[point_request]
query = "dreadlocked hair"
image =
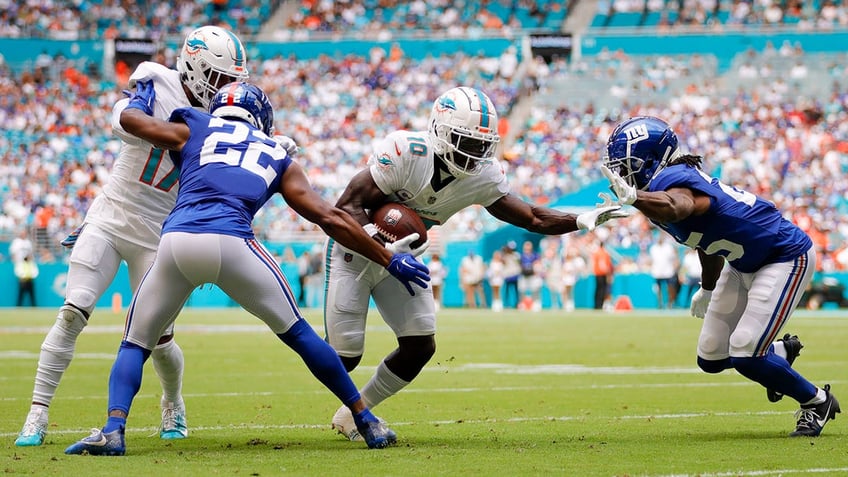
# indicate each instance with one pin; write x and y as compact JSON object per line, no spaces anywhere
{"x":688,"y":159}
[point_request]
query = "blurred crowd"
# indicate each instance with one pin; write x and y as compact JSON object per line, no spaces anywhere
{"x":721,"y":14}
{"x":380,"y":19}
{"x":95,"y":19}
{"x":383,"y":18}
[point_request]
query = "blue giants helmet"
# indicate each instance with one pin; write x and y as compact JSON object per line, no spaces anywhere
{"x":244,"y":101}
{"x":639,"y":148}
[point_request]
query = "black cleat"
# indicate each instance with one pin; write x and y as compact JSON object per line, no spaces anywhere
{"x":793,"y":349}
{"x":812,"y":418}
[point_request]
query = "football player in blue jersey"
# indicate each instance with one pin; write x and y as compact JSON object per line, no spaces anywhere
{"x":230,"y":165}
{"x":124,"y":222}
{"x":756,"y":264}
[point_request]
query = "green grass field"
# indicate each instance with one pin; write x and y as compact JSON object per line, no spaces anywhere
{"x":547,"y":393}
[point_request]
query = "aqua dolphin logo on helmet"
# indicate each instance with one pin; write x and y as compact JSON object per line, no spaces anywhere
{"x":193,"y":45}
{"x":444,"y":103}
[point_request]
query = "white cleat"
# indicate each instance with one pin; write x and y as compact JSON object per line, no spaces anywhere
{"x":343,"y":422}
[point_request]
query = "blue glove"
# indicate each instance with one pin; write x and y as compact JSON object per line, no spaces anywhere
{"x":405,"y":268}
{"x":143,"y":97}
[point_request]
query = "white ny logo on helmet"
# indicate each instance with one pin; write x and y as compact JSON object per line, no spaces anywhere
{"x":635,"y":134}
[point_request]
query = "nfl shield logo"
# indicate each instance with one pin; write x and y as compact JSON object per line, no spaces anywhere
{"x":348,"y":257}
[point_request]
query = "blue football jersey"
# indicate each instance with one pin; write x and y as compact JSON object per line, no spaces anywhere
{"x":228,"y":170}
{"x":746,"y":230}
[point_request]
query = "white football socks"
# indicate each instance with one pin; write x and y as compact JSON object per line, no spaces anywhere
{"x":168,"y":362}
{"x":383,"y":385}
{"x":57,"y":351}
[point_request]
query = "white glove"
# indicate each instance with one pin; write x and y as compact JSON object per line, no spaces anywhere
{"x":403,"y":245}
{"x":625,"y":192}
{"x":700,"y":302}
{"x":597,"y":216}
{"x":288,"y":144}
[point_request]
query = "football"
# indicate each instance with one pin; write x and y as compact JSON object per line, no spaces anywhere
{"x":395,"y":221}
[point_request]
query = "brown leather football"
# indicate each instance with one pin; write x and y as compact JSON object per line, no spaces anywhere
{"x":395,"y":221}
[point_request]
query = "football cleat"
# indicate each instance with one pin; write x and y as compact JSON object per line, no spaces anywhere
{"x":343,"y":422}
{"x":793,"y":349}
{"x":34,"y":430}
{"x":812,"y":418}
{"x":99,"y":443}
{"x":377,"y":435}
{"x":173,"y":422}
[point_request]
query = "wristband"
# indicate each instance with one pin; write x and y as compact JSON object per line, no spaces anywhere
{"x":370,"y":229}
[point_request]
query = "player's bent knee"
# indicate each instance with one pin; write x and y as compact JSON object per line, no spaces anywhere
{"x":711,"y":345}
{"x":165,"y":339}
{"x":743,"y":343}
{"x":417,"y":349}
{"x":714,"y":366}
{"x":71,"y":318}
{"x":350,"y":362}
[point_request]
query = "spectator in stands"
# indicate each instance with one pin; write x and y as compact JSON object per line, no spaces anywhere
{"x":20,"y":247}
{"x":603,"y":271}
{"x":755,"y":263}
{"x":304,"y":269}
{"x":438,"y":272}
{"x":530,"y":280}
{"x":472,"y":272}
{"x":495,"y":277}
{"x":691,"y":271}
{"x":512,"y":272}
{"x":664,"y":265}
{"x":550,"y":268}
{"x":573,"y":268}
{"x":26,"y":271}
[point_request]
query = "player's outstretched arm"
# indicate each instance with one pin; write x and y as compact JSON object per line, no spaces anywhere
{"x":543,"y":220}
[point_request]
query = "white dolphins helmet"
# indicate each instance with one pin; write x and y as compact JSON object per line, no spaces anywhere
{"x":210,"y":58}
{"x":464,"y":130}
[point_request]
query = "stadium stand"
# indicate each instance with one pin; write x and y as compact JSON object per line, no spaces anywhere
{"x":770,"y":117}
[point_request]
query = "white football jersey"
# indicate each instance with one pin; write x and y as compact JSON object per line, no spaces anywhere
{"x":404,"y":168}
{"x":142,"y":187}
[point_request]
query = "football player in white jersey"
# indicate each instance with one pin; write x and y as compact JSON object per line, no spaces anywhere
{"x":437,"y":173}
{"x":125,"y":221}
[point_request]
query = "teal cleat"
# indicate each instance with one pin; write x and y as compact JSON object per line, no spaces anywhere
{"x":173,"y":422}
{"x":34,"y":430}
